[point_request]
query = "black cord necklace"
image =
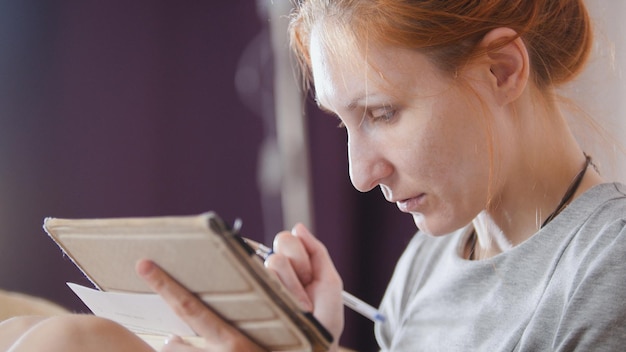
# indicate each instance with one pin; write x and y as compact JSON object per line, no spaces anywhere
{"x":570,"y":191}
{"x":567,"y":197}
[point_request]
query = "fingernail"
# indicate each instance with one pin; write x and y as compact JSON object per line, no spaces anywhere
{"x":300,"y":230}
{"x":172,"y":338}
{"x":296,"y":229}
{"x":145,"y":267}
{"x":168,"y":340}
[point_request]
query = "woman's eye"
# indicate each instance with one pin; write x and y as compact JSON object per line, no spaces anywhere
{"x":384,"y":114}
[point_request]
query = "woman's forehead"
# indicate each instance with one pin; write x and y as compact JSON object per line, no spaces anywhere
{"x":337,"y":44}
{"x":336,"y":72}
{"x":351,"y":72}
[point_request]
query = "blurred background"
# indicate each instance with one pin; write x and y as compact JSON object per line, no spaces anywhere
{"x":154,"y":107}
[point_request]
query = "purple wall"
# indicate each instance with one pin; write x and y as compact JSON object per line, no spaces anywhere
{"x":129,"y":108}
{"x":119,"y":109}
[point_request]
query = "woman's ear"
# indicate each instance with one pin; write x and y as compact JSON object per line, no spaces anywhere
{"x":508,"y":63}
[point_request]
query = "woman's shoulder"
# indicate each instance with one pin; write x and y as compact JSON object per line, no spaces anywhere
{"x":596,"y":236}
{"x":601,"y":206}
{"x":613,"y":193}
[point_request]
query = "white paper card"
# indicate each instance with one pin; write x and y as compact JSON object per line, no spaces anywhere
{"x":139,"y":312}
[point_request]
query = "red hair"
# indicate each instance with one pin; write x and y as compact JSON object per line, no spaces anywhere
{"x":557,"y":33}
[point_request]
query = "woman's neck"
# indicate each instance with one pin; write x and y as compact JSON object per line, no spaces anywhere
{"x":535,"y":173}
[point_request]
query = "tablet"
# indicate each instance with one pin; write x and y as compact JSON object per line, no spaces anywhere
{"x":203,"y":254}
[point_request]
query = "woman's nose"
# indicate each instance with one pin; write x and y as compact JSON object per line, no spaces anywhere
{"x":368,"y":167}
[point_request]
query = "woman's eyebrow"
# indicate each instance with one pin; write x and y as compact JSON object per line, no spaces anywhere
{"x":360,"y":100}
{"x":363,"y":100}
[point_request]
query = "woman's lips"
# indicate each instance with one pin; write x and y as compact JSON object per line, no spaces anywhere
{"x":411,"y":205}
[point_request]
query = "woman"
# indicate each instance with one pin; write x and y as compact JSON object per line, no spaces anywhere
{"x":450,"y":108}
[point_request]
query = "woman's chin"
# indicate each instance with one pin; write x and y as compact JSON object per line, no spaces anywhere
{"x":421,"y":224}
{"x":432,"y":229}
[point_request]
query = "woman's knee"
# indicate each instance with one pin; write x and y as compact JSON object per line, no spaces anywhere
{"x":80,"y":333}
{"x":13,"y":328}
{"x":21,"y":323}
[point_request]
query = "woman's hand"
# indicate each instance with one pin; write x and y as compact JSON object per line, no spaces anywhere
{"x":300,"y":261}
{"x":218,"y":334}
{"x":304,"y":266}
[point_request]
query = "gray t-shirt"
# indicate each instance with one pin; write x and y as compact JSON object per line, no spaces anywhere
{"x":563,"y":289}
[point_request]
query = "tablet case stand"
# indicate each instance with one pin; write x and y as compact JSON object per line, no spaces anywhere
{"x":203,"y":254}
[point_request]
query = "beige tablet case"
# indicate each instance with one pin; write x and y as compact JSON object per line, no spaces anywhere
{"x":203,"y":255}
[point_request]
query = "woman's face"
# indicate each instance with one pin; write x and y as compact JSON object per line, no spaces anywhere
{"x":411,"y":131}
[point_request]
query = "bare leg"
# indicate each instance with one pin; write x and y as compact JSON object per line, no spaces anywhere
{"x":78,"y":333}
{"x":13,"y":328}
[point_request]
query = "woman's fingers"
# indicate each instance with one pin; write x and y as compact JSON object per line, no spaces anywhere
{"x":192,"y":310}
{"x":291,"y":264}
{"x":280,"y":265}
{"x":305,"y":268}
{"x":317,"y":254}
{"x":300,"y":261}
{"x":187,"y":306}
{"x":286,"y":244}
{"x":326,"y":286}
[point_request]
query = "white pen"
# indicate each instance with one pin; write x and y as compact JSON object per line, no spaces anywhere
{"x":349,"y":300}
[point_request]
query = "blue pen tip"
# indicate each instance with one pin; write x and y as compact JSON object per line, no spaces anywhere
{"x":379,"y":317}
